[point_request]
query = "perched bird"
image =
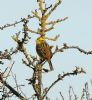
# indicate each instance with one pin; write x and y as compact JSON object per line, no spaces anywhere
{"x":44,"y":51}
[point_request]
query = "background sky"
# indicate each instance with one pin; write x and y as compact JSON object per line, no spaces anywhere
{"x":76,"y":30}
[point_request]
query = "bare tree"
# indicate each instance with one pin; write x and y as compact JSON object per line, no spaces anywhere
{"x":36,"y":65}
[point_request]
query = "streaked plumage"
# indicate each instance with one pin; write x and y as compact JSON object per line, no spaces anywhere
{"x":44,"y":51}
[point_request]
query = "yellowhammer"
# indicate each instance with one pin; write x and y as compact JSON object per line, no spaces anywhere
{"x":44,"y":50}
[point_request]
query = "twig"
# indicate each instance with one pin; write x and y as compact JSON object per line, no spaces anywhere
{"x":32,"y":31}
{"x":10,"y":69}
{"x":41,"y":5}
{"x":75,"y":72}
{"x":49,"y":29}
{"x":36,"y":15}
{"x":53,"y":39}
{"x":57,"y":21}
{"x":16,"y":22}
{"x":70,"y":96}
{"x":55,"y":6}
{"x":11,"y":88}
{"x":65,"y":46}
{"x":61,"y":96}
{"x":14,"y":91}
{"x":21,"y":43}
{"x":72,"y":90}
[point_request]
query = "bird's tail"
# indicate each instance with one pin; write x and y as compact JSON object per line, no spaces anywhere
{"x":51,"y":66}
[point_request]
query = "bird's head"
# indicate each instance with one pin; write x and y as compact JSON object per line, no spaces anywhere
{"x":40,"y":40}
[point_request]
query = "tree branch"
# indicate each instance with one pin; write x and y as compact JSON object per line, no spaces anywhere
{"x":55,"y":6}
{"x":40,"y":5}
{"x":57,"y":21}
{"x":36,"y":14}
{"x":65,"y":46}
{"x":10,"y":88}
{"x":16,"y":22}
{"x":74,"y":72}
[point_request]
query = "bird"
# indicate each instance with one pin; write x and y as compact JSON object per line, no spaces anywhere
{"x":44,"y":51}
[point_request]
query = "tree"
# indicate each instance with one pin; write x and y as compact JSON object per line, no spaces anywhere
{"x":33,"y":62}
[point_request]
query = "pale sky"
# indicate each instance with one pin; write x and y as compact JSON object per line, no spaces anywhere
{"x":76,"y":30}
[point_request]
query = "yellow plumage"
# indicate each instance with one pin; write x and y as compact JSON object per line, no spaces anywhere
{"x":44,"y":50}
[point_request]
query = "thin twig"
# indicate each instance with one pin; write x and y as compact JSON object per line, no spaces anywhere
{"x":16,"y":22}
{"x":52,"y":9}
{"x":65,"y":46}
{"x":75,"y":72}
{"x":57,"y":21}
{"x":61,"y":96}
